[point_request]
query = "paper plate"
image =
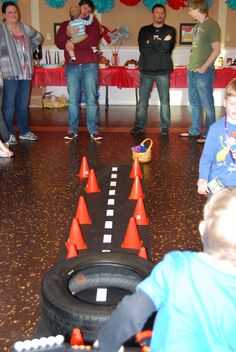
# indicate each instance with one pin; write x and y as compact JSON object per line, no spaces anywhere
{"x":51,"y":65}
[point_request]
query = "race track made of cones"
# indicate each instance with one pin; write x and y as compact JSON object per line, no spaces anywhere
{"x":110,"y":214}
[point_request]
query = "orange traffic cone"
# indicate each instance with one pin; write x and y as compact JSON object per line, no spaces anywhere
{"x":143,"y":253}
{"x":140,"y":213}
{"x":76,"y":236}
{"x":92,"y":185}
{"x":76,"y":338}
{"x":84,"y":169}
{"x":132,"y":239}
{"x":71,"y":250}
{"x":136,"y":191}
{"x":82,"y":214}
{"x":136,"y":169}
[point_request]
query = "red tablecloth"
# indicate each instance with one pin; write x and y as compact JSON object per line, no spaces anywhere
{"x":125,"y":78}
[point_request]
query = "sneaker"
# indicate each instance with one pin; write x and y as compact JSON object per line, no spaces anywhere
{"x":70,"y":135}
{"x":201,"y":140}
{"x":96,"y":136}
{"x":164,"y":132}
{"x":12,"y":140}
{"x":137,"y":130}
{"x":29,"y":136}
{"x":188,"y":134}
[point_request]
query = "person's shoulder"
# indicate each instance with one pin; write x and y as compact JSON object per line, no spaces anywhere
{"x":146,"y":27}
{"x":218,"y":123}
{"x":212,"y":23}
{"x":175,"y":258}
{"x":167,"y":26}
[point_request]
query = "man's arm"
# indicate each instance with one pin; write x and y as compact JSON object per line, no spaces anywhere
{"x":211,"y":59}
{"x":128,"y":319}
{"x":61,"y":36}
{"x":166,"y":44}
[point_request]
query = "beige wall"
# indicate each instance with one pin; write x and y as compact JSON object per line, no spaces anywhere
{"x":230,"y":28}
{"x":134,"y":17}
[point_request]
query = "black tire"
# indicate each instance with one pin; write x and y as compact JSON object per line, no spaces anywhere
{"x":68,"y":290}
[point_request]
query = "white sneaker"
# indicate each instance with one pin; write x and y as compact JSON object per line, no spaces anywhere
{"x":12,"y":140}
{"x":29,"y":136}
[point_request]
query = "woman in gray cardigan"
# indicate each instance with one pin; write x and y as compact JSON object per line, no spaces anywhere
{"x":17,"y":43}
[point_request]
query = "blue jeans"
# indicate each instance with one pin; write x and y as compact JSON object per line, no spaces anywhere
{"x":163,"y":88}
{"x":200,"y":94}
{"x":4,"y":133}
{"x":82,"y":77}
{"x":15,"y":100}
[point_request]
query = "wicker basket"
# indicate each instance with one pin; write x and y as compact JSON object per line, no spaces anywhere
{"x":146,"y":156}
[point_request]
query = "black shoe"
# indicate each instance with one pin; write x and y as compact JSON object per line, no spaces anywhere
{"x":70,"y":135}
{"x":137,"y":130}
{"x":164,"y":132}
{"x":188,"y":134}
{"x":96,"y":136}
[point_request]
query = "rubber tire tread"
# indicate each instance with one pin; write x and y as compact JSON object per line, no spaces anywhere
{"x":62,"y":312}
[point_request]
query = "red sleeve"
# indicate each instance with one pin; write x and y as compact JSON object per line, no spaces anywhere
{"x":61,"y":36}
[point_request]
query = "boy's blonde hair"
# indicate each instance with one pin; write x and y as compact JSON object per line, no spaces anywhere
{"x":74,"y":12}
{"x":219,"y":237}
{"x":230,"y":90}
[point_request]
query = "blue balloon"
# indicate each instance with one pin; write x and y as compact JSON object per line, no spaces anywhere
{"x":103,"y":6}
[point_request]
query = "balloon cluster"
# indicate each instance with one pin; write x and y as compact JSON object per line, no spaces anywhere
{"x":56,"y":3}
{"x":231,"y":4}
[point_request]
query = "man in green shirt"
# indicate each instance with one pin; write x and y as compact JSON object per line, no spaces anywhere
{"x":201,"y":71}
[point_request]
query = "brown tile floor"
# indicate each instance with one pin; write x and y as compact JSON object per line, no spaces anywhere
{"x":39,"y":190}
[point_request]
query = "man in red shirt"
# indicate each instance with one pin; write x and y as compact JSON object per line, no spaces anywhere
{"x":82,"y":72}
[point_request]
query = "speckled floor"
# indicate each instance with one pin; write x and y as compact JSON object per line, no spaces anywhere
{"x":39,"y":193}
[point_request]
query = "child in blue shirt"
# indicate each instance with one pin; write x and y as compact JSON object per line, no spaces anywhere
{"x":192,"y":293}
{"x":218,"y":159}
{"x":78,"y":23}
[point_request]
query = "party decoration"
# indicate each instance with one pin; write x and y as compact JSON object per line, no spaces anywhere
{"x":130,"y":2}
{"x":177,"y":4}
{"x":15,"y":1}
{"x":231,"y":4}
{"x":150,"y":3}
{"x":56,"y":4}
{"x":104,"y":6}
{"x":209,"y":3}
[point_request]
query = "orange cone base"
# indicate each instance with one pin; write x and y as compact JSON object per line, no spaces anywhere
{"x":140,"y":213}
{"x":84,"y":169}
{"x":71,"y":250}
{"x":76,"y":338}
{"x":132,"y":239}
{"x":92,"y":185}
{"x":76,"y":236}
{"x":136,"y":170}
{"x":143,"y":253}
{"x":82,"y":214}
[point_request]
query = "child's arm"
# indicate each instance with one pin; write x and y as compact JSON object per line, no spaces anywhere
{"x":90,"y":20}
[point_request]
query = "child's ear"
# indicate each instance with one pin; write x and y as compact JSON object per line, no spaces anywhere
{"x":201,"y":227}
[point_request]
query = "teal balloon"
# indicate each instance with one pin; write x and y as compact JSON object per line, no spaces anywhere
{"x":15,"y":1}
{"x":56,"y":4}
{"x":103,"y":6}
{"x":231,"y":4}
{"x":150,"y":3}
